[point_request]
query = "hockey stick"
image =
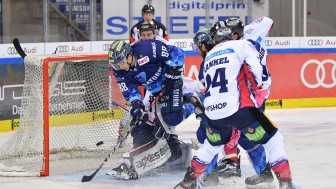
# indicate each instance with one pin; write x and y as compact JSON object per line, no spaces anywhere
{"x":118,"y":105}
{"x":18,"y":48}
{"x":87,"y":178}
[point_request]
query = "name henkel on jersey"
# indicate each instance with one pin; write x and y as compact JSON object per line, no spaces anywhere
{"x":216,"y":62}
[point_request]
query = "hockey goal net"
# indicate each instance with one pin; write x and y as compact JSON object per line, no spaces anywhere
{"x":72,"y":108}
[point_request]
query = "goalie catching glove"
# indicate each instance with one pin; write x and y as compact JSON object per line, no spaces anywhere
{"x":138,"y":113}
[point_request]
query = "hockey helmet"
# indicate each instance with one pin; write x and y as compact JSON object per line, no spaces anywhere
{"x":118,"y":53}
{"x":147,"y":26}
{"x":203,"y":36}
{"x":221,"y":34}
{"x":236,"y":26}
{"x":147,"y":9}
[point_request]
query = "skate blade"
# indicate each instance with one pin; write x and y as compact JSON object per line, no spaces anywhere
{"x":268,"y":185}
{"x":120,"y":176}
{"x":180,"y":186}
{"x":229,"y":181}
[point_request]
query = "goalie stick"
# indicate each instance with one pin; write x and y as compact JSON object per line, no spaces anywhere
{"x":18,"y":48}
{"x":90,"y":177}
{"x":87,"y":178}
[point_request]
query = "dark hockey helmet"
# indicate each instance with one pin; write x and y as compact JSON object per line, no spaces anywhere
{"x":236,"y":26}
{"x":147,"y":26}
{"x":203,"y":36}
{"x":216,"y":26}
{"x":221,"y":34}
{"x":147,"y":9}
{"x":118,"y":53}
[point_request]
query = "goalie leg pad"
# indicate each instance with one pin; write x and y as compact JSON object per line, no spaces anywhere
{"x":175,"y":147}
{"x":150,"y":155}
{"x":142,"y":134}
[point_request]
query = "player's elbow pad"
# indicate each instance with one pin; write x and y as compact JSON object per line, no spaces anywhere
{"x":177,"y":57}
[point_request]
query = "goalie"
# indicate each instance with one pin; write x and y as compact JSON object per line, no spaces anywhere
{"x":158,"y":68}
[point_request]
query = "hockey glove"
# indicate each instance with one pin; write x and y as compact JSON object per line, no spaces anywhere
{"x":138,"y":113}
{"x":260,"y":95}
{"x":173,"y":79}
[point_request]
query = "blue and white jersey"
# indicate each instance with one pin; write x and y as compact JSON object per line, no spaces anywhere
{"x":256,"y":33}
{"x":153,"y":59}
{"x":200,"y":75}
{"x":226,"y":70}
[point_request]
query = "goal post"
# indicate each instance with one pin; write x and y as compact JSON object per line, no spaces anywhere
{"x":72,"y":108}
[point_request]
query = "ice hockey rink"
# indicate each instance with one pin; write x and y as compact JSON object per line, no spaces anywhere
{"x":310,"y":141}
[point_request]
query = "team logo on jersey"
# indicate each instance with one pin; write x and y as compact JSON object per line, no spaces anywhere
{"x":249,"y":31}
{"x":143,"y":60}
{"x":250,"y":130}
{"x":210,"y":130}
{"x":259,"y":19}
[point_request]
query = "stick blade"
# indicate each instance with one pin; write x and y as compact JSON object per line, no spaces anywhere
{"x":87,"y":178}
{"x":18,"y":47}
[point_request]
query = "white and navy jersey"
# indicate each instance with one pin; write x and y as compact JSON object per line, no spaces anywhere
{"x":153,"y":59}
{"x":226,"y":70}
{"x":135,"y":33}
{"x":256,"y":33}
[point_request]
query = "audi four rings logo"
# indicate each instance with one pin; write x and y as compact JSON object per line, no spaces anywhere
{"x":181,"y":44}
{"x":62,"y":49}
{"x":315,"y":42}
{"x":268,"y":42}
{"x":11,"y":51}
{"x":320,"y":73}
{"x":106,"y":47}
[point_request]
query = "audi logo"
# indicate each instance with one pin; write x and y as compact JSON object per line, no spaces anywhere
{"x":268,"y":43}
{"x":11,"y":51}
{"x":320,"y":73}
{"x":62,"y":49}
{"x":106,"y":47}
{"x":181,"y":44}
{"x":315,"y":42}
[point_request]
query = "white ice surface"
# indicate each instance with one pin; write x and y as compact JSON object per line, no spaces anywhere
{"x":310,"y":142}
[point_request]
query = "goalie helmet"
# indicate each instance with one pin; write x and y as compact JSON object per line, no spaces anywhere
{"x":118,"y":53}
{"x":221,"y":34}
{"x":236,"y":26}
{"x":147,"y":9}
{"x":203,"y":36}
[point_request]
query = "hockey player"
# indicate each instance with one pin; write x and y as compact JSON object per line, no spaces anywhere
{"x":157,"y":67}
{"x":255,"y":33}
{"x":230,"y":102}
{"x":147,"y":13}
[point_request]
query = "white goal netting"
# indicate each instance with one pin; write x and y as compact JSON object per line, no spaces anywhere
{"x":72,"y":106}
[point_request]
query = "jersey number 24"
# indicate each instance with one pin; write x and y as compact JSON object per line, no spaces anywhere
{"x":219,"y":80}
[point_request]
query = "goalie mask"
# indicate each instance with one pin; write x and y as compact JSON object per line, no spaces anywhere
{"x":118,"y":53}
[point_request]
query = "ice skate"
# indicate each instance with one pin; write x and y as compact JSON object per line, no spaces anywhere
{"x":188,"y":182}
{"x":123,"y":172}
{"x":286,"y":184}
{"x":264,"y":180}
{"x":228,"y":168}
{"x":207,"y":180}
